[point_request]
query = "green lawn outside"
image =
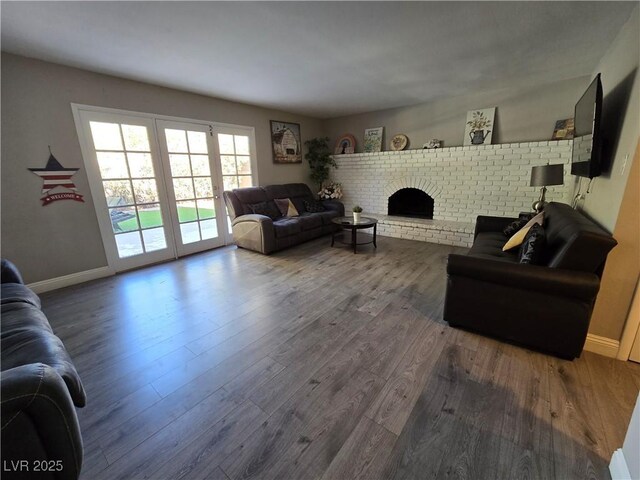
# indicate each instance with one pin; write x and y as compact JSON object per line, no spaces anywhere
{"x":151,"y":218}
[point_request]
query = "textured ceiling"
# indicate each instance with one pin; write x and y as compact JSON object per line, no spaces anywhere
{"x":323,"y":59}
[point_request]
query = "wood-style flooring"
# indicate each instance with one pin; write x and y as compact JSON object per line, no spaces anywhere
{"x":315,"y":363}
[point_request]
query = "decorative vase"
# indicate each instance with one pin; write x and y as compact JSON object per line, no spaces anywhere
{"x":356,"y":217}
{"x":478,"y":136}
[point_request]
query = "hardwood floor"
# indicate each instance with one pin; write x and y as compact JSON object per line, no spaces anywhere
{"x":315,"y":363}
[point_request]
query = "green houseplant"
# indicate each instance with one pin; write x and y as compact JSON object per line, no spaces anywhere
{"x":320,"y":160}
{"x":357,"y":211}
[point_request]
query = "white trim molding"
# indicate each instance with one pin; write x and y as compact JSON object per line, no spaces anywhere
{"x":618,"y":466}
{"x":602,"y":345}
{"x":71,"y":279}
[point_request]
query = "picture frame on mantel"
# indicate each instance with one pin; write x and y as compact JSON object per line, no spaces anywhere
{"x":479,"y":127}
{"x":373,"y":139}
{"x":286,"y":143}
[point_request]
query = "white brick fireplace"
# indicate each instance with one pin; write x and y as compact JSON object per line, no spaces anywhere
{"x":463,"y":181}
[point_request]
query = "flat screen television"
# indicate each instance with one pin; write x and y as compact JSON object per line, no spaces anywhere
{"x":587,"y":140}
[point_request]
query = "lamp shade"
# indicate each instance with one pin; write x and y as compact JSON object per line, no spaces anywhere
{"x":546,"y":175}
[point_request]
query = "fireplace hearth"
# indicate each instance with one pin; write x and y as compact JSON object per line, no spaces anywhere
{"x":410,"y":202}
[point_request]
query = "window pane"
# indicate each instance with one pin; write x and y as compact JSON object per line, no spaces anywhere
{"x":180,"y":165}
{"x":118,"y":192}
{"x":129,"y":244}
{"x":244,"y":165}
{"x":183,"y":188}
{"x":154,"y":239}
{"x":187,"y":211}
{"x":209,"y":229}
{"x":190,"y":232}
{"x":230,"y":183}
{"x":226,"y":144}
{"x":228,"y":164}
{"x":176,"y":140}
{"x":203,"y":187}
{"x":197,"y":142}
{"x":206,"y":209}
{"x":123,"y":219}
{"x":200,"y":165}
{"x":244,"y":181}
{"x":135,"y":138}
{"x":140,"y":165}
{"x":106,"y":136}
{"x":145,"y":191}
{"x":150,"y":215}
{"x":112,"y":165}
{"x":242,"y":145}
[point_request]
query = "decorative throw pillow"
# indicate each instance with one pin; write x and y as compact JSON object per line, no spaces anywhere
{"x":286,"y":207}
{"x":518,"y":237}
{"x":313,"y":206}
{"x":265,"y":208}
{"x":513,"y":227}
{"x":531,"y":250}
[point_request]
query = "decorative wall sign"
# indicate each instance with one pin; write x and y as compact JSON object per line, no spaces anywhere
{"x":479,"y":126}
{"x":345,"y":144}
{"x":285,"y":142}
{"x":55,"y":175}
{"x":373,"y":139}
{"x":399,"y":142}
{"x":564,"y":129}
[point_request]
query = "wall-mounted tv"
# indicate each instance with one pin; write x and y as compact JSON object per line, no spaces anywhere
{"x":587,"y":141}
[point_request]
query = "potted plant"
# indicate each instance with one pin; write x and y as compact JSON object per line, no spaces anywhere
{"x":357,"y":211}
{"x":320,"y":160}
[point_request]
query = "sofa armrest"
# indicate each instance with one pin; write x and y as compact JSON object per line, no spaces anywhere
{"x":553,"y":281}
{"x":9,"y":273}
{"x":254,"y":232}
{"x":38,"y":417}
{"x":334,"y":205}
{"x":491,"y":224}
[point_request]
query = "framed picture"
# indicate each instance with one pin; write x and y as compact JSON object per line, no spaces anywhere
{"x":285,"y":142}
{"x":563,"y":130}
{"x":373,"y":139}
{"x":479,"y":126}
{"x":345,"y":144}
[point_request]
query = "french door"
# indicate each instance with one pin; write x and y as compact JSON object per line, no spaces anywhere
{"x":157,"y":182}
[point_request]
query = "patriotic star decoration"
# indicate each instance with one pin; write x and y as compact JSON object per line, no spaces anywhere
{"x":55,"y":175}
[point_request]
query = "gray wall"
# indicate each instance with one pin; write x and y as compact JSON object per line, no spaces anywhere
{"x":522,"y":115}
{"x":63,"y":238}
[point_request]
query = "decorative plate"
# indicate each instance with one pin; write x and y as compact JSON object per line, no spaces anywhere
{"x":345,"y":144}
{"x":399,"y":142}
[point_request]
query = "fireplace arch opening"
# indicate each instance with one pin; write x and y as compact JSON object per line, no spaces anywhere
{"x":410,"y":202}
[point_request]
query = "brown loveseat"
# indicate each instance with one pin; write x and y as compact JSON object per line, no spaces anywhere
{"x":267,"y":234}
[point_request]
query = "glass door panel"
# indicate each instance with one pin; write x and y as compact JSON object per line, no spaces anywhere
{"x":193,"y":186}
{"x":124,"y":180}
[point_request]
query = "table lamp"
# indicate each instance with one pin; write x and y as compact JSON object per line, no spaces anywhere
{"x":544,"y":176}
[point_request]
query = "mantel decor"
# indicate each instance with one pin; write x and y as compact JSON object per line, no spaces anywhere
{"x":285,"y":142}
{"x":346,"y":144}
{"x":479,"y":126}
{"x":373,"y":139}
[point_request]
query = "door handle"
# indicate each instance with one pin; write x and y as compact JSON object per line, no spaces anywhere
{"x":216,"y":197}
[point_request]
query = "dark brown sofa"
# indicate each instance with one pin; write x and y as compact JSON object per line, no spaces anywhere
{"x":546,"y":307}
{"x":40,"y":386}
{"x":266,"y":235}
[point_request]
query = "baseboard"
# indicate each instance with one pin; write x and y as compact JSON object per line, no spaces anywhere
{"x":602,"y":345}
{"x":618,"y":466}
{"x":72,"y":279}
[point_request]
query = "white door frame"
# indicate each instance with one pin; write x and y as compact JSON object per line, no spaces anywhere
{"x":106,"y":230}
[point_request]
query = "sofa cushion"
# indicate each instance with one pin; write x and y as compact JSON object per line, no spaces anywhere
{"x":327,"y":215}
{"x":286,"y":207}
{"x":309,"y":221}
{"x":313,"y":206}
{"x":514,"y":226}
{"x":489,"y":245}
{"x":532,"y":248}
{"x":26,"y":338}
{"x":248,"y":196}
{"x":518,"y":237}
{"x":265,"y":208}
{"x":285,"y":227}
